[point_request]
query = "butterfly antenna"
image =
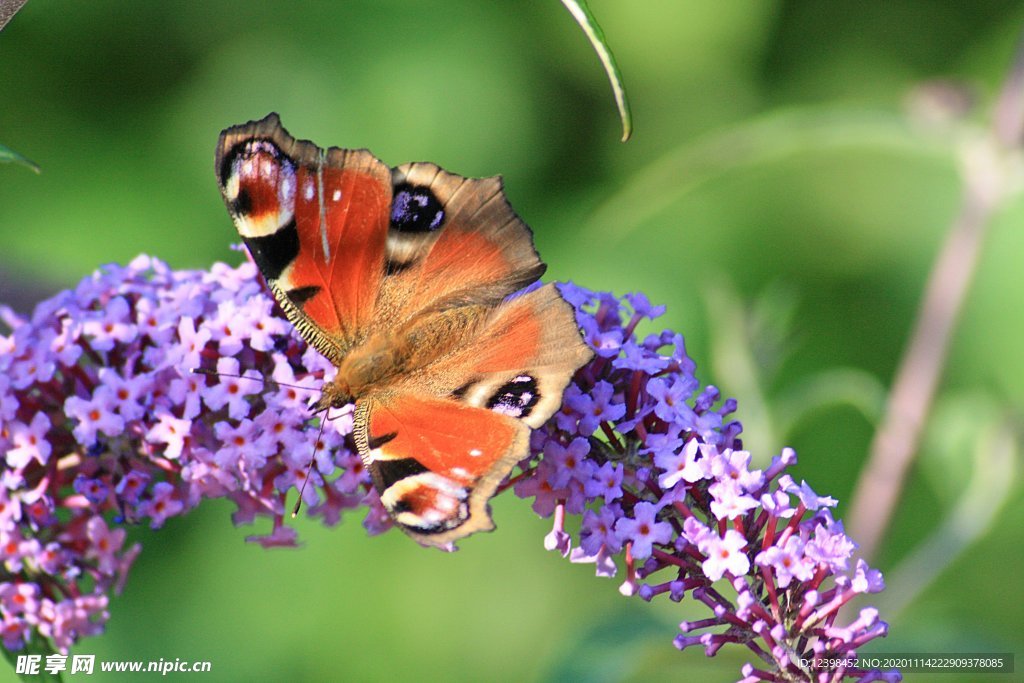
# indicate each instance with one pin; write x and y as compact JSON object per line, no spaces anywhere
{"x":309,"y":467}
{"x":201,"y":371}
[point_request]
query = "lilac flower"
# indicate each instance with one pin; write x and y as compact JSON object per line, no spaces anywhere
{"x":109,"y":325}
{"x":28,"y":442}
{"x":637,"y":357}
{"x":232,"y":391}
{"x":539,"y":485}
{"x":724,"y":554}
{"x":605,"y":343}
{"x":161,"y":505}
{"x":689,"y":507}
{"x":104,"y":544}
{"x":643,"y":531}
{"x":606,"y":483}
{"x":807,"y":496}
{"x":642,"y":306}
{"x":94,"y":490}
{"x":18,"y":599}
{"x":733,"y":466}
{"x":188,"y":352}
{"x":570,"y":462}
{"x":670,"y":397}
{"x":679,"y":462}
{"x":95,"y":416}
{"x":829,"y":545}
{"x":185,"y":392}
{"x":14,"y":632}
{"x":131,"y":486}
{"x":103,"y":423}
{"x":787,"y":561}
{"x":728,"y":501}
{"x":34,"y":366}
{"x":127,"y":394}
{"x":171,"y":431}
{"x":596,"y":407}
{"x":598,"y":532}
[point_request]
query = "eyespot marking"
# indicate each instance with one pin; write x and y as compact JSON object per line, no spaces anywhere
{"x":415,"y":209}
{"x":516,"y":398}
{"x":427,"y":503}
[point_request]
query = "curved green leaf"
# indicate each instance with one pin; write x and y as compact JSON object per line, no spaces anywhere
{"x":585,"y":18}
{"x":8,"y":156}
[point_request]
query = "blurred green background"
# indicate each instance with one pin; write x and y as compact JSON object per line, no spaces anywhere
{"x":784,"y":194}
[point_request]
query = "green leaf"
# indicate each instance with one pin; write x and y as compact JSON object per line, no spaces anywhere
{"x":839,"y":386}
{"x":8,"y":156}
{"x":35,"y":646}
{"x":585,"y":18}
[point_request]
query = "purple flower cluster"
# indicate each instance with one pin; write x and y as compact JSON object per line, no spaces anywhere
{"x":103,"y":423}
{"x":659,"y":477}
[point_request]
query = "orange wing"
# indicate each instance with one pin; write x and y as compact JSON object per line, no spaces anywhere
{"x":316,"y":224}
{"x":350,"y":247}
{"x":454,"y":241}
{"x":436,"y":463}
{"x":438,"y":444}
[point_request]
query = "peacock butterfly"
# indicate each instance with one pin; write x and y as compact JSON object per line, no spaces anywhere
{"x":404,"y":279}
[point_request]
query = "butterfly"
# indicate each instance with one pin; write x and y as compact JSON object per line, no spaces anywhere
{"x":414,"y":283}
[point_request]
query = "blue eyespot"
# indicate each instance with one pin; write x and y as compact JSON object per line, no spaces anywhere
{"x":415,"y":209}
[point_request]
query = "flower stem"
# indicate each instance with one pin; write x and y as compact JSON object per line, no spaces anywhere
{"x":986,"y":165}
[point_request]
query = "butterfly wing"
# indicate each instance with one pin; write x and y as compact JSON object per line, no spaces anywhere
{"x":436,"y":462}
{"x":350,"y":247}
{"x":366,"y":261}
{"x":316,"y":224}
{"x":454,"y":241}
{"x":438,"y":444}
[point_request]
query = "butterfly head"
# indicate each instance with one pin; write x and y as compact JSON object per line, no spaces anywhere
{"x":335,"y":394}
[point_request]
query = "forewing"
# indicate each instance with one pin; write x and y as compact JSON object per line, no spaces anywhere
{"x":452,"y":241}
{"x":316,"y":224}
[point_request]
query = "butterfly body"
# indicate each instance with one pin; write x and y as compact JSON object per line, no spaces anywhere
{"x":407,"y":280}
{"x":373,"y":365}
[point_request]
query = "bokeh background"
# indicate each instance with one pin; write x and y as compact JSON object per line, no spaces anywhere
{"x":791,"y":177}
